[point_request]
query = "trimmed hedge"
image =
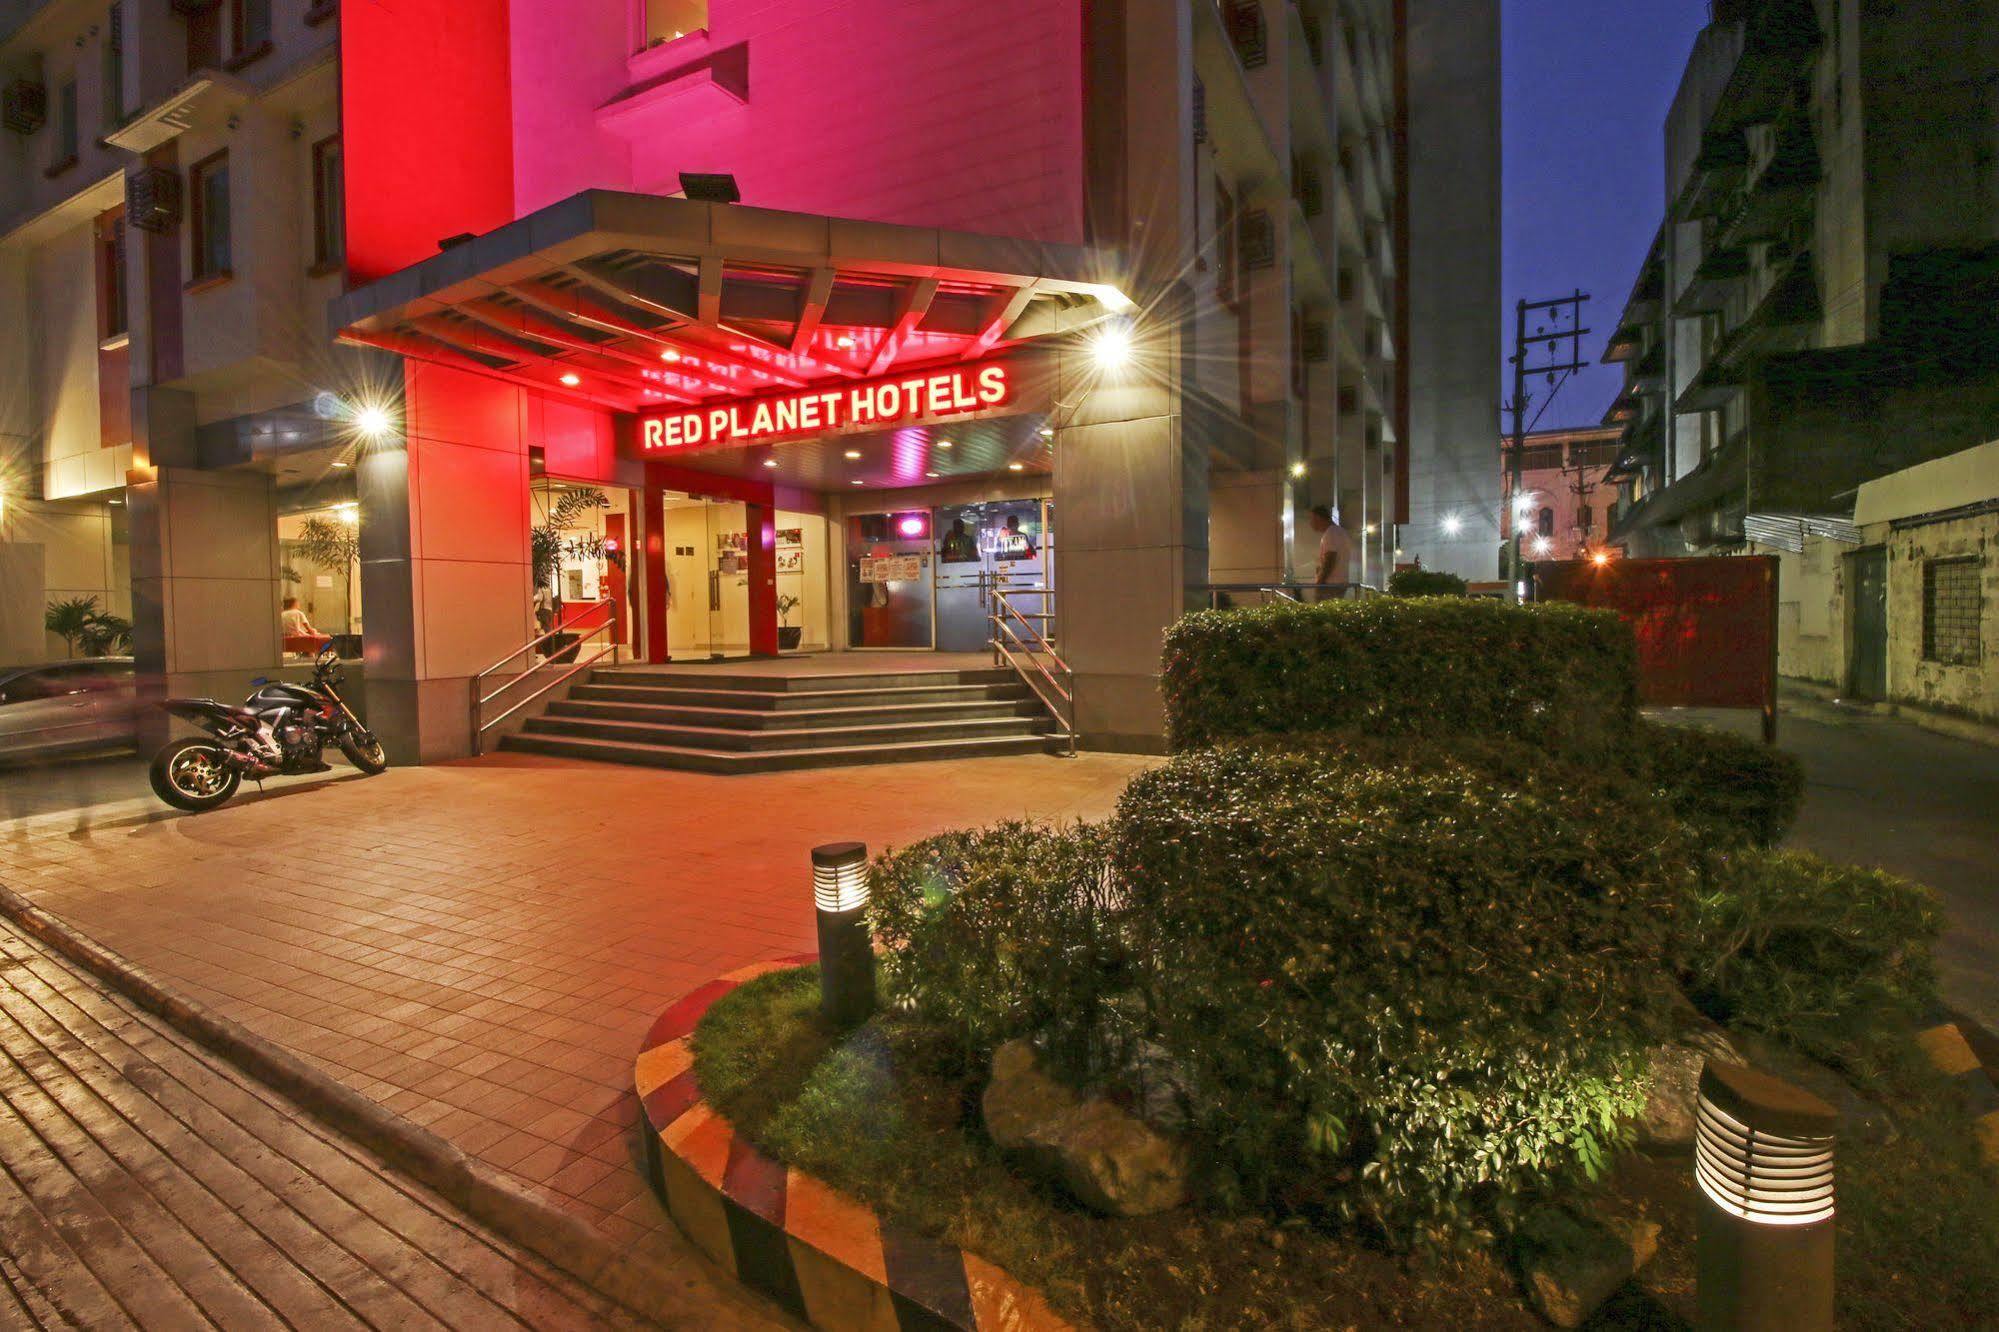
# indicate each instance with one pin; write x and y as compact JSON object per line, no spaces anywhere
{"x":1426,"y":583}
{"x":1560,"y":677}
{"x":1003,"y":932}
{"x":1816,"y":953}
{"x":1727,"y":790}
{"x":1389,"y":974}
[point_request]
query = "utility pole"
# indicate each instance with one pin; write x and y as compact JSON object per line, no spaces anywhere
{"x":1564,"y":316}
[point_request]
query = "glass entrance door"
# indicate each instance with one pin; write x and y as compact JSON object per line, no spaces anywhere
{"x":728,"y":550}
{"x":889,"y":580}
{"x":997,"y":544}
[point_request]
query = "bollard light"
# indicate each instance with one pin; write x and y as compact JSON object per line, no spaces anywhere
{"x":846,"y":953}
{"x":1763,"y":1157}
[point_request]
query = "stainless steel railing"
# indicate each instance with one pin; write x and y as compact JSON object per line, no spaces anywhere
{"x":1223,"y":595}
{"x":569,"y":654}
{"x":1019,"y":642}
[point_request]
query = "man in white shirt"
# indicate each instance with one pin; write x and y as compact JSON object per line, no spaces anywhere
{"x":293,"y":623}
{"x":1336,"y":550}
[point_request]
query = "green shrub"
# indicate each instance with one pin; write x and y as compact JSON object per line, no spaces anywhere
{"x":1387,"y":971}
{"x":1426,"y":583}
{"x":1003,"y":932}
{"x":1560,"y":677}
{"x":1728,"y":790}
{"x":1820,"y":955}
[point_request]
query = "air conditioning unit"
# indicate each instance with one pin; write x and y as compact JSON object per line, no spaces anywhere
{"x":152,"y":199}
{"x":1258,"y":239}
{"x":24,"y":106}
{"x":1248,"y":33}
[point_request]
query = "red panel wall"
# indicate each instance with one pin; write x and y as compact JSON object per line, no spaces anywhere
{"x":1706,"y":628}
{"x":426,"y":127}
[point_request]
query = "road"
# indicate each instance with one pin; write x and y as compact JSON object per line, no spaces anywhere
{"x":1890,"y":794}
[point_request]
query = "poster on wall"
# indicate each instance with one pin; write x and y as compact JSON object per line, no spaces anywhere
{"x":891,"y":568}
{"x":789,"y":538}
{"x":791,"y":560}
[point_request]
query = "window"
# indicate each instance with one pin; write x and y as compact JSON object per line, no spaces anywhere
{"x":249,"y":29}
{"x":65,"y":128}
{"x":664,"y":20}
{"x":208,"y":222}
{"x":1225,"y":246}
{"x":1952,"y":603}
{"x":113,"y":320}
{"x":1585,"y":518}
{"x":114,"y":66}
{"x":329,"y":206}
{"x":1545,"y":525}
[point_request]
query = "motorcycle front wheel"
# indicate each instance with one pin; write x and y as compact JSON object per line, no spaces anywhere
{"x":194,"y":775}
{"x":365,"y":752}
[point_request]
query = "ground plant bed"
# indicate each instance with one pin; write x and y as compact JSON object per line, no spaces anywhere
{"x":882,"y":1114}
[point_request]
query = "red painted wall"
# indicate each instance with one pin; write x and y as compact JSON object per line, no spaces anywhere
{"x":426,"y":129}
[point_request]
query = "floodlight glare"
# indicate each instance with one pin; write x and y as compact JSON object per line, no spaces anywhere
{"x":1112,"y":348}
{"x":372,"y":422}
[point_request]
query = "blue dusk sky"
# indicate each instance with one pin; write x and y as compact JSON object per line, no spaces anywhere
{"x":1588,"y":83}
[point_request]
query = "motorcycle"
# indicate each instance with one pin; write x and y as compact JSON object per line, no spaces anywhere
{"x":278,"y":731}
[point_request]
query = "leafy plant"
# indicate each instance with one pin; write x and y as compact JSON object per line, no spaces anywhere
{"x":1560,"y":677}
{"x":1729,"y":791}
{"x":1392,"y":980}
{"x":330,"y":545}
{"x":786,"y":604}
{"x":545,"y":538}
{"x":105,"y":634}
{"x":1821,"y":955}
{"x":1426,"y":583}
{"x":69,"y":619}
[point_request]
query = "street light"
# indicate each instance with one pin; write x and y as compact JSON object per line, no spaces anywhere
{"x":846,"y":953}
{"x":1763,"y":1156}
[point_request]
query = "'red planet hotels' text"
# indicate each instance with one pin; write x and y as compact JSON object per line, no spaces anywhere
{"x":957,"y":391}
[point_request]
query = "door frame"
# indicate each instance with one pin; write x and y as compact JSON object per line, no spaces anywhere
{"x":1851,"y":683}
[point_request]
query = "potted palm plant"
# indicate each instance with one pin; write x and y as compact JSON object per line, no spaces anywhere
{"x":789,"y":635}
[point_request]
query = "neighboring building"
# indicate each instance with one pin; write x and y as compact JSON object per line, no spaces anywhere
{"x":1898,"y":606}
{"x":1096,"y":295}
{"x":1563,"y":508}
{"x":170,"y":234}
{"x":1819,"y":306}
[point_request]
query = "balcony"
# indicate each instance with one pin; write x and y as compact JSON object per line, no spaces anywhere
{"x":1712,"y":387}
{"x":1718,"y":174}
{"x":1781,"y":186}
{"x":1708,"y":290}
{"x":1779,"y":37}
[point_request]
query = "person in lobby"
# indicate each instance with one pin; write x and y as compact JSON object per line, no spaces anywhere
{"x":295,"y":627}
{"x":1335,"y":552}
{"x":959,"y":547}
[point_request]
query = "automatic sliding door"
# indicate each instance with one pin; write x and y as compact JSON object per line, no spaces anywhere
{"x":889,"y":580}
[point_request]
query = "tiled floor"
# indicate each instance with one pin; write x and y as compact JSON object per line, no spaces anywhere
{"x":481,"y":946}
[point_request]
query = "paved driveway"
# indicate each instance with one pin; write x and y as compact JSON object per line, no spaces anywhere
{"x":481,"y":946}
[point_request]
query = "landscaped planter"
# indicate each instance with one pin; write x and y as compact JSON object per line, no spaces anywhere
{"x":817,"y":1252}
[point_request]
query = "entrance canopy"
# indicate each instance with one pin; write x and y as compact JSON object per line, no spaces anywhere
{"x":641,"y":304}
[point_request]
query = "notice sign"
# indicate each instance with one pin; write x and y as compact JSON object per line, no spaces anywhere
{"x":891,"y":568}
{"x":937,"y":394}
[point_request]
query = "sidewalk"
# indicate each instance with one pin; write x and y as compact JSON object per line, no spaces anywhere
{"x":482,"y":946}
{"x":145,"y":1185}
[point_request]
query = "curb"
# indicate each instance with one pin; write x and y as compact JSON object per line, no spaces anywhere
{"x":489,"y":1196}
{"x":1951,"y":1055}
{"x":822,"y":1255}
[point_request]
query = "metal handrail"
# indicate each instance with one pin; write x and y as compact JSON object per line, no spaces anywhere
{"x":1292,"y":592}
{"x":577,"y":665}
{"x":1009,"y":645}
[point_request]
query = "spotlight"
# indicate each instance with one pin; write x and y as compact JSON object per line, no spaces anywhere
{"x":572,"y":380}
{"x":373,"y":422}
{"x":1600,"y":559}
{"x":1111,"y":348}
{"x":1453,"y":525}
{"x":1298,"y":471}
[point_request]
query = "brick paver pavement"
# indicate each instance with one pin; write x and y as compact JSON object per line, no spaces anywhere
{"x":481,"y":946}
{"x":146,"y":1185}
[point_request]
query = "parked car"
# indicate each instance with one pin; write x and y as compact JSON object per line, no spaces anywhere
{"x":63,"y":706}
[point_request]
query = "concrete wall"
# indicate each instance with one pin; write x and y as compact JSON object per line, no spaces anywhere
{"x":1970,"y":689}
{"x":1454,"y":353}
{"x":1811,"y":612}
{"x":1246,"y":528}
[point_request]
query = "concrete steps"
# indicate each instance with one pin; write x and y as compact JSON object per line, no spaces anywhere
{"x":741,"y":723}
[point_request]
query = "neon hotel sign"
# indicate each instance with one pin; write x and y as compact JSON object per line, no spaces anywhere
{"x":868,"y":404}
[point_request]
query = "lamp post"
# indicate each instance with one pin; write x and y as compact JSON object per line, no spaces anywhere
{"x":846,"y":954}
{"x":1763,"y":1157}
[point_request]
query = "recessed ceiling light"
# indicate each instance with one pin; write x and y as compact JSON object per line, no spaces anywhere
{"x":1016,"y":467}
{"x":770,"y":462}
{"x":338,"y":463}
{"x":1048,"y":432}
{"x":857,"y":483}
{"x":844,"y":341}
{"x":945,"y":444}
{"x":669,"y":355}
{"x":853,"y":455}
{"x":931,"y":475}
{"x":572,"y":380}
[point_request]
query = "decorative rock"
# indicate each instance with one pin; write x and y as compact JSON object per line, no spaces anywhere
{"x":1667,"y":1121}
{"x":1571,"y":1264}
{"x":1111,"y":1161}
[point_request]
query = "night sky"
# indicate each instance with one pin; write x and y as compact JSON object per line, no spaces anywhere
{"x":1587,"y":88}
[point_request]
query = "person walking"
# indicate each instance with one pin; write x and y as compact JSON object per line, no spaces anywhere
{"x":1336,"y":552}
